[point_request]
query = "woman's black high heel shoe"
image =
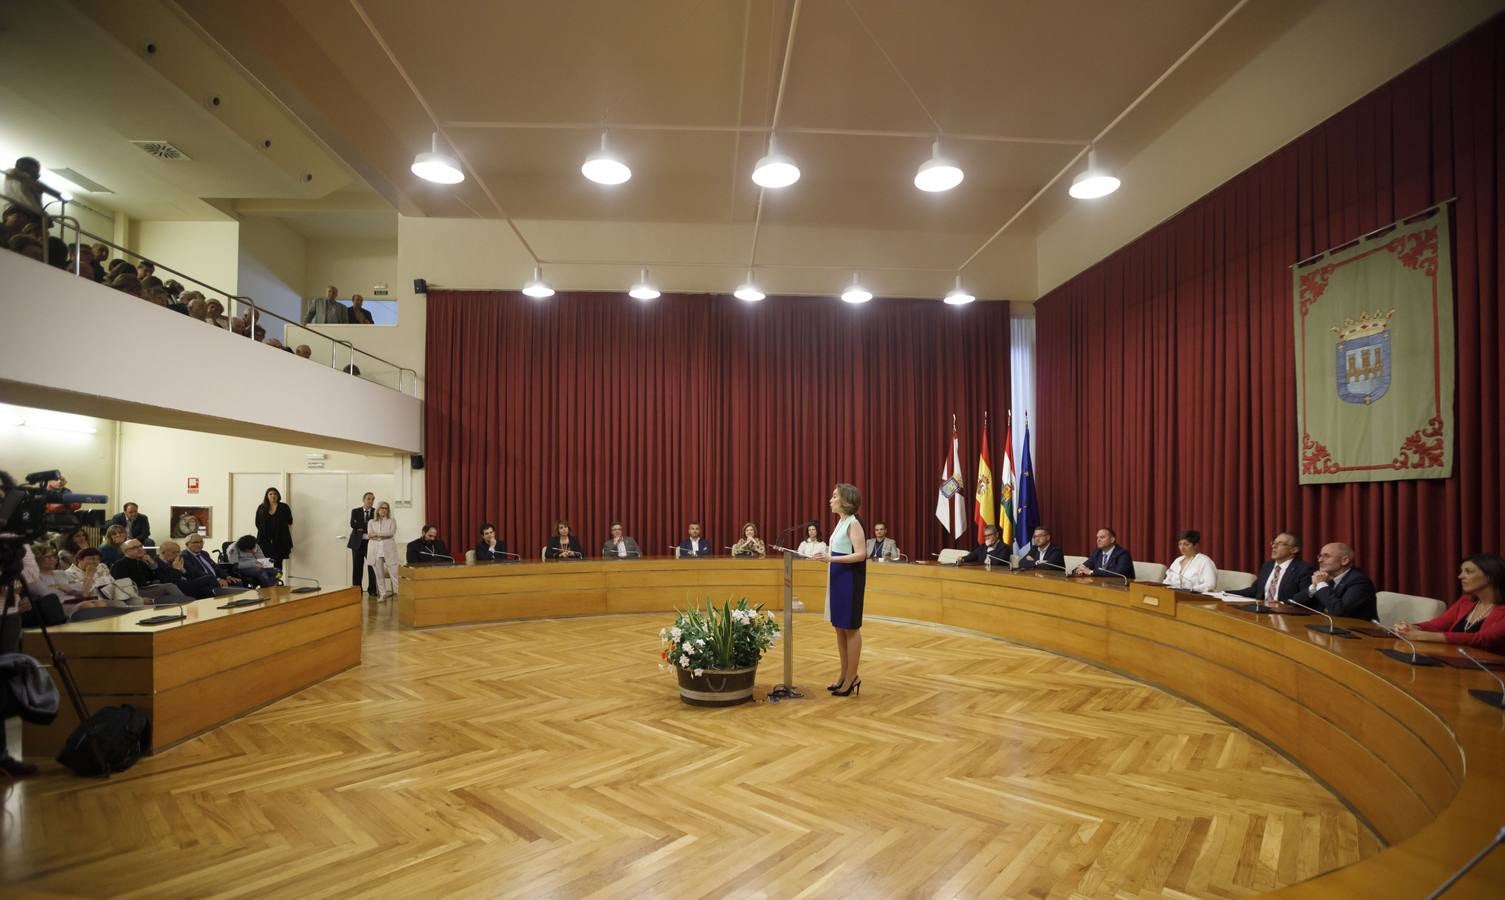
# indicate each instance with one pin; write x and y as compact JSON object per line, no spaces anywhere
{"x":833,"y":687}
{"x":856,"y":686}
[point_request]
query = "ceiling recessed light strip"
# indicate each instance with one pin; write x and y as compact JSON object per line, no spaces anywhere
{"x":440,"y":168}
{"x":644,"y":289}
{"x":605,"y":167}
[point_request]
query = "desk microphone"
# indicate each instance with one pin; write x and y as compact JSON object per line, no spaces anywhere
{"x":305,"y":589}
{"x":1493,"y":698}
{"x":1330,"y":628}
{"x":1477,"y":858}
{"x":1097,"y":572}
{"x":1414,"y":659}
{"x":1043,"y":563}
{"x":436,"y":555}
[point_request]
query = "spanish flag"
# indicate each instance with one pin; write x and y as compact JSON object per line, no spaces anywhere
{"x":983,"y":506}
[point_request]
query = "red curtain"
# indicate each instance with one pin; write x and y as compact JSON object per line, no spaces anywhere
{"x":1166,"y":373}
{"x":596,"y":407}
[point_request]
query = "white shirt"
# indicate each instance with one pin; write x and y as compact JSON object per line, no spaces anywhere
{"x":622,"y":549}
{"x":1198,"y":575}
{"x":1312,"y":589}
{"x":810,"y":548}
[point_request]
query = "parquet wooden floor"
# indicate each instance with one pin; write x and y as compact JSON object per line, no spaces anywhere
{"x":552,"y":759}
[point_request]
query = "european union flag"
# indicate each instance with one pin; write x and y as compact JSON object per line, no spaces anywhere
{"x":1026,"y":501}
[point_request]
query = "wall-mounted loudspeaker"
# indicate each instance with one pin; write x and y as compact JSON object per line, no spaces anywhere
{"x":417,"y":460}
{"x":420,"y":286}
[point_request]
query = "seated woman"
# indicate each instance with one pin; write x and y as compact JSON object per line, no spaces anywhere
{"x":812,"y":544}
{"x":245,"y":557}
{"x":1474,"y":620}
{"x":91,"y":579}
{"x":1192,"y":570}
{"x":71,"y":543}
{"x":563,"y":545}
{"x":751,"y":546}
{"x":110,"y":546}
{"x":70,"y":593}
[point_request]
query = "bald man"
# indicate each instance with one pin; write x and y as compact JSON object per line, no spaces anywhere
{"x":1340,"y":588}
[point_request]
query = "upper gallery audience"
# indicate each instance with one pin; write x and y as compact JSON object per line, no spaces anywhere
{"x":1284,"y":576}
{"x":1042,"y":554}
{"x":1340,"y":588}
{"x":1475,"y":619}
{"x":357,"y":312}
{"x":1192,"y":570}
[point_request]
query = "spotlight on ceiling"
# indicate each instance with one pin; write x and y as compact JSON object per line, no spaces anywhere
{"x":644,"y":289}
{"x":938,"y":173}
{"x":958,"y":296}
{"x":1094,"y":182}
{"x":605,"y":167}
{"x":775,"y":170}
{"x":855,"y":292}
{"x":440,"y":168}
{"x":537,"y":287}
{"x":748,"y":290}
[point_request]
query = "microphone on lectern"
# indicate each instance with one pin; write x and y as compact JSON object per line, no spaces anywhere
{"x":1415,"y":660}
{"x":1330,"y":628}
{"x":1493,"y":698}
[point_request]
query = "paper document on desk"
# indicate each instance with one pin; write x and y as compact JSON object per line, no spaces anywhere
{"x":1233,"y":598}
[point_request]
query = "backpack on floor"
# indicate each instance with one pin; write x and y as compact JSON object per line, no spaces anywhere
{"x":123,"y":734}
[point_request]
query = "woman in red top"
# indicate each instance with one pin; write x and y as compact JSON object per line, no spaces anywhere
{"x":1476,"y":619}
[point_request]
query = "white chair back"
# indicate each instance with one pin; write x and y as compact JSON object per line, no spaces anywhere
{"x":1073,"y":561}
{"x":543,"y":555}
{"x":950,"y":557}
{"x":1149,"y":571}
{"x":1395,"y":607}
{"x":1234,"y":580}
{"x":470,"y":556}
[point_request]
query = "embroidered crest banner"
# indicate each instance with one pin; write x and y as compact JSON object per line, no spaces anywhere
{"x":1374,"y":357}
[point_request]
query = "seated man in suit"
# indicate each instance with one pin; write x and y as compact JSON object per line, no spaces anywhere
{"x":198,"y":563}
{"x":1108,"y":557}
{"x":490,"y":548}
{"x":880,"y":546}
{"x":620,"y":545}
{"x":136,"y":525}
{"x":1042,"y":553}
{"x":147,"y":574}
{"x":427,"y":548}
{"x":174,"y":569}
{"x":1284,"y":576}
{"x":1340,"y":588}
{"x":990,"y":551}
{"x":694,"y":545}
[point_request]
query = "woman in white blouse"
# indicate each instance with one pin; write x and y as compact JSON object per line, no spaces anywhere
{"x":1192,"y":570}
{"x":812,"y":543}
{"x":381,"y":550}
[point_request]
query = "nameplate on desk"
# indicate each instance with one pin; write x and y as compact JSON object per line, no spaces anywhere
{"x":1150,"y":600}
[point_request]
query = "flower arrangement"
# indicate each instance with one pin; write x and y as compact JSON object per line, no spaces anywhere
{"x":731,"y":637}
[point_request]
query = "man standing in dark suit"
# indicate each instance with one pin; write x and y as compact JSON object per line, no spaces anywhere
{"x":1108,"y":557}
{"x":1284,"y":576}
{"x":1042,"y":553}
{"x":1340,"y":588}
{"x":359,"y":518}
{"x":136,"y":525}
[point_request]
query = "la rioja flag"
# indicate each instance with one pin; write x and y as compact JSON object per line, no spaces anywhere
{"x":1006,"y":488}
{"x":950,"y":506}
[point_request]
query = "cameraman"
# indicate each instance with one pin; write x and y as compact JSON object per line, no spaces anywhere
{"x":16,"y":601}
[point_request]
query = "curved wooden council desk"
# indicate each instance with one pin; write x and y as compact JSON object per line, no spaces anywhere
{"x":1408,"y":748}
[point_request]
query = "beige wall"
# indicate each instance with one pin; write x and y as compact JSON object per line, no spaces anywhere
{"x":87,"y":460}
{"x":353,"y":266}
{"x":206,"y":251}
{"x":271,"y":263}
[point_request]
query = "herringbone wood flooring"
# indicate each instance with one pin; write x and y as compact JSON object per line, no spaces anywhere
{"x":552,"y":759}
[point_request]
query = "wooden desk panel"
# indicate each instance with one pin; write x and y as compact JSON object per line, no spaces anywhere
{"x":190,"y":676}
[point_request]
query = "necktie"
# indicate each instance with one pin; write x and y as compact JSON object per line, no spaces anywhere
{"x":1106,"y":553}
{"x":877,"y":548}
{"x":1272,"y":590}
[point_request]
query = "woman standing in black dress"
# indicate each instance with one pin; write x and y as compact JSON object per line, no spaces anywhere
{"x":274,"y":527}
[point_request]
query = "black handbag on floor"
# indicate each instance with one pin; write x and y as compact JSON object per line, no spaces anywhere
{"x":123,"y":734}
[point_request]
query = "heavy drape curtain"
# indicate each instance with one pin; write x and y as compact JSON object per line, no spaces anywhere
{"x":596,"y":407}
{"x":1166,"y":375}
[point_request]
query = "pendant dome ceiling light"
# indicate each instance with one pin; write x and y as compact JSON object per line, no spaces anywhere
{"x":856,"y":293}
{"x":605,"y":167}
{"x":938,"y":173}
{"x":440,"y":168}
{"x":959,"y":296}
{"x":644,"y":289}
{"x":537,"y":288}
{"x":1094,"y":182}
{"x":775,"y":170}
{"x":748,"y":290}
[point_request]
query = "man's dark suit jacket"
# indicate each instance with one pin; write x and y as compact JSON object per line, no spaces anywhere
{"x":422,"y":551}
{"x":1053,"y":556}
{"x":485,"y":553}
{"x":358,"y":522}
{"x":1295,"y":581}
{"x":702,"y":547}
{"x":1353,"y":598}
{"x":141,"y":529}
{"x":980,"y":553}
{"x":1121,"y":561}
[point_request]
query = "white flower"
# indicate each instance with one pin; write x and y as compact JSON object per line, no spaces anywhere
{"x":699,"y":672}
{"x":684,"y":662}
{"x":675,"y":632}
{"x":688,"y":647}
{"x":700,"y":642}
{"x":663,"y":633}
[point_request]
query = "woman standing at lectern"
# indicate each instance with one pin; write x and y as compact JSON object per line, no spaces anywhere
{"x":844,"y":587}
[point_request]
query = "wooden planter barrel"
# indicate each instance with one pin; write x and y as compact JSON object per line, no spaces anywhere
{"x":717,"y":687}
